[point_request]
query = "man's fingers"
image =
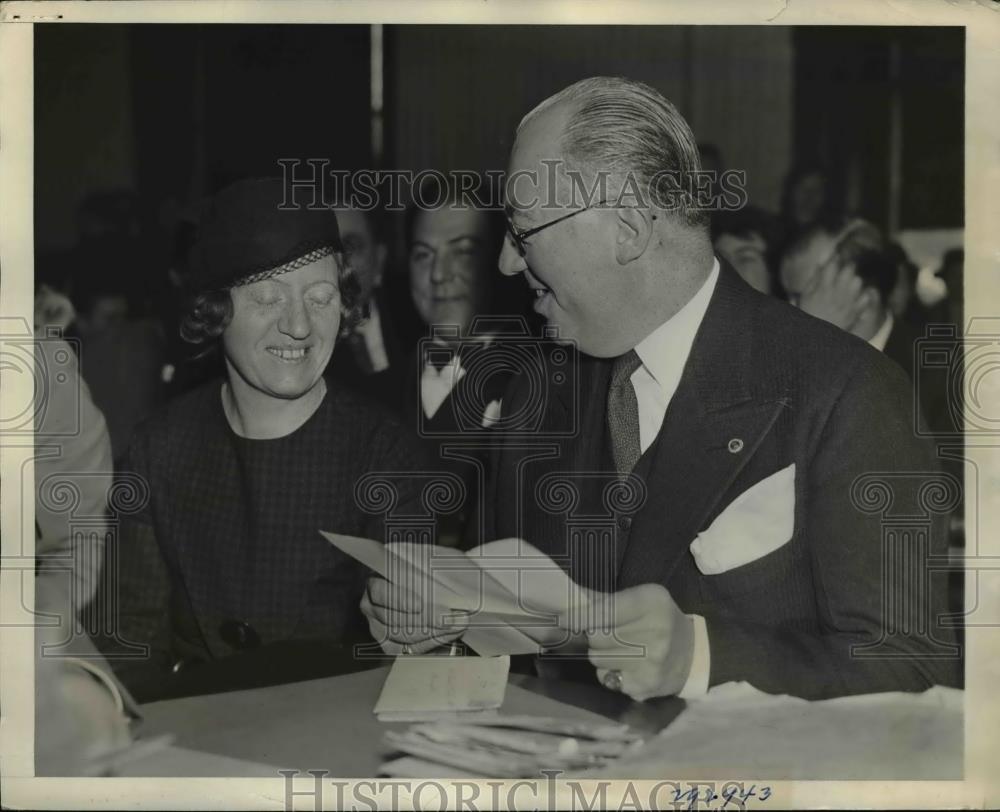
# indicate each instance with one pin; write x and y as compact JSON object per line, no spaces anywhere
{"x":366,"y":604}
{"x":396,"y":643}
{"x":633,"y":684}
{"x":645,"y":603}
{"x":394,"y":635}
{"x":382,"y":593}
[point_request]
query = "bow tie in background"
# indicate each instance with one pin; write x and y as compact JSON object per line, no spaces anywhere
{"x":442,"y":371}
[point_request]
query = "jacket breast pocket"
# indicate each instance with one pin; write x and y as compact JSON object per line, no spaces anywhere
{"x":786,"y":564}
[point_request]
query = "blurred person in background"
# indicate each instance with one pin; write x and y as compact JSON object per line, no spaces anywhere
{"x":810,"y":198}
{"x":245,"y":470}
{"x":848,"y":278}
{"x":903,"y":301}
{"x":951,"y":309}
{"x":948,"y":416}
{"x":818,"y":275}
{"x":185,"y":366}
{"x":369,"y":358}
{"x":81,"y":715}
{"x":741,"y":238}
{"x":122,"y":342}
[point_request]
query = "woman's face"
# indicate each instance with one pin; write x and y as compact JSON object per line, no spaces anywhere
{"x":284,"y":328}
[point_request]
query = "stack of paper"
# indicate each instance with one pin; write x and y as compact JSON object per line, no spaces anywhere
{"x":740,"y":732}
{"x":509,"y":588}
{"x":506,"y":747}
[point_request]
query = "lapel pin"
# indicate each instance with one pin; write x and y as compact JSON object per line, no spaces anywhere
{"x":735,"y":445}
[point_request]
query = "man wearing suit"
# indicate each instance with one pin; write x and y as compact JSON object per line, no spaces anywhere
{"x":746,"y":422}
{"x":369,"y":358}
{"x":456,"y":378}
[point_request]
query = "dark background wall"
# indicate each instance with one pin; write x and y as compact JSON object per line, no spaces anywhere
{"x":169,"y":112}
{"x":458,"y":92}
{"x":886,"y":107}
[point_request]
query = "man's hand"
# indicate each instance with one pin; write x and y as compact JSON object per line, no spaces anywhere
{"x":646,"y":638}
{"x":401,"y":621}
{"x":559,"y":636}
{"x":836,"y":295}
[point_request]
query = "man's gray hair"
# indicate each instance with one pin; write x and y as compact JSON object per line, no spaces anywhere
{"x":621,"y":126}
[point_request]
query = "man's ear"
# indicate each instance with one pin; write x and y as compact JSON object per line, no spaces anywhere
{"x":381,"y":255}
{"x":635,"y":227}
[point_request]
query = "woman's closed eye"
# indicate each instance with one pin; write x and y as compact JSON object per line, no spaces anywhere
{"x":264,"y":293}
{"x":322,"y":295}
{"x":322,"y":299}
{"x":266,"y":299}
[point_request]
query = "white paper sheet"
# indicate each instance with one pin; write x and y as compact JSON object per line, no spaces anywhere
{"x":507,"y":586}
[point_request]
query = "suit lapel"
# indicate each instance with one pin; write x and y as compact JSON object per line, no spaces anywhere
{"x":714,"y":424}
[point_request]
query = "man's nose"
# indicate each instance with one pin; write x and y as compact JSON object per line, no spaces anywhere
{"x":294,"y":321}
{"x":510,"y":262}
{"x":440,"y":269}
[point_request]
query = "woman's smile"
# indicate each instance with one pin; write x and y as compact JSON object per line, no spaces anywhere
{"x":290,"y":355}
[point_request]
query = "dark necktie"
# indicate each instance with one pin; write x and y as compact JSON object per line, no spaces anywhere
{"x":623,"y":413}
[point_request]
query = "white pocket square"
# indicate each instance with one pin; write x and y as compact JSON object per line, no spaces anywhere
{"x":757,"y":522}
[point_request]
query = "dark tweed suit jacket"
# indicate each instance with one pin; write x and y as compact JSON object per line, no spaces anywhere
{"x":765,"y":386}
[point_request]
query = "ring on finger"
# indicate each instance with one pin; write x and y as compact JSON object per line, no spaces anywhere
{"x":613,"y":680}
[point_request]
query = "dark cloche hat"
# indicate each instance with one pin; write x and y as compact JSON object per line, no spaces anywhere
{"x":245,"y":235}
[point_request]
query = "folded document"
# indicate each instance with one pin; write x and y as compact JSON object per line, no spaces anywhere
{"x":505,"y":586}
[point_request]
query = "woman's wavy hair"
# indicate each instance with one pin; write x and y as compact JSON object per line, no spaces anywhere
{"x":209,"y":312}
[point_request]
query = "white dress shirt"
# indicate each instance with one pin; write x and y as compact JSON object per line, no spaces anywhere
{"x":436,"y":384}
{"x":663,"y":353}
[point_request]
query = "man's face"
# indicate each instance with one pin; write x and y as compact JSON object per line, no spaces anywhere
{"x":284,"y":328}
{"x":746,"y":253}
{"x":808,"y":198}
{"x":570,"y":266}
{"x":799,"y":267}
{"x":365,"y":255}
{"x":449,"y":265}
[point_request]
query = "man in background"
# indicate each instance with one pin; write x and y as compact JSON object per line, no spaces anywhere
{"x":847,"y":277}
{"x":458,"y":373}
{"x":369,"y":360}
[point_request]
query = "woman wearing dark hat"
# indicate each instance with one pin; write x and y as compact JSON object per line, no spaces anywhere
{"x":243,"y":472}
